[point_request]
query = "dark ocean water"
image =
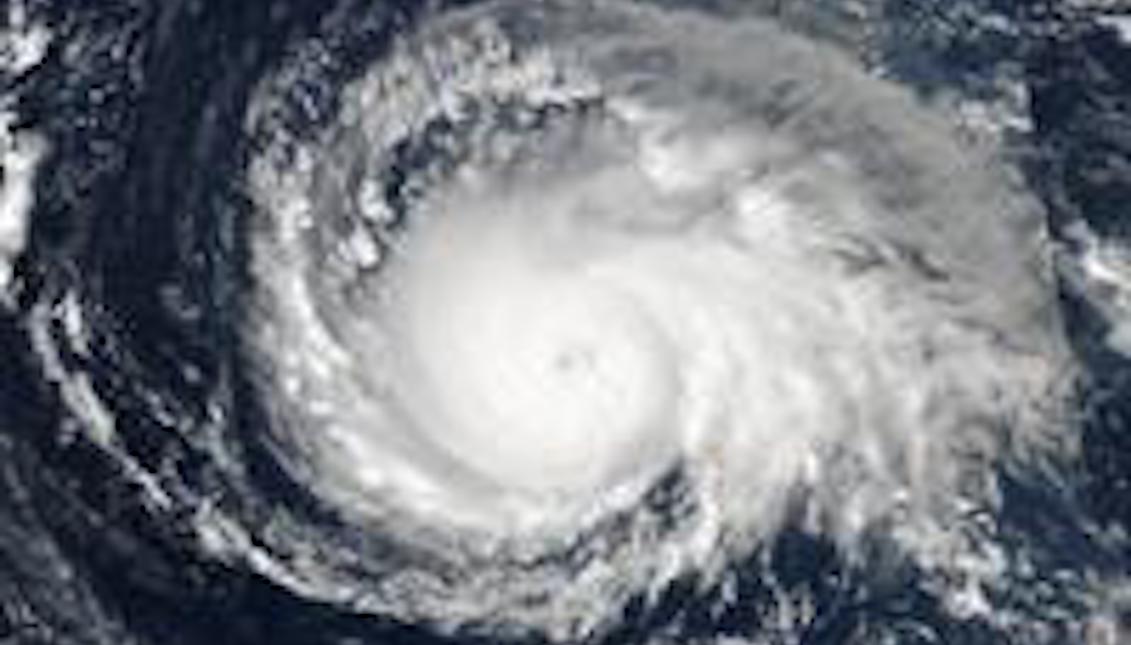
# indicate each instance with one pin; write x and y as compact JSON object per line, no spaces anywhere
{"x":140,"y":223}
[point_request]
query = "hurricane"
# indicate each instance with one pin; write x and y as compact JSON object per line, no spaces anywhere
{"x":550,"y":321}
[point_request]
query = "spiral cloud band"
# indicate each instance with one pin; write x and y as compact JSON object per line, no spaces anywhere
{"x":550,"y":254}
